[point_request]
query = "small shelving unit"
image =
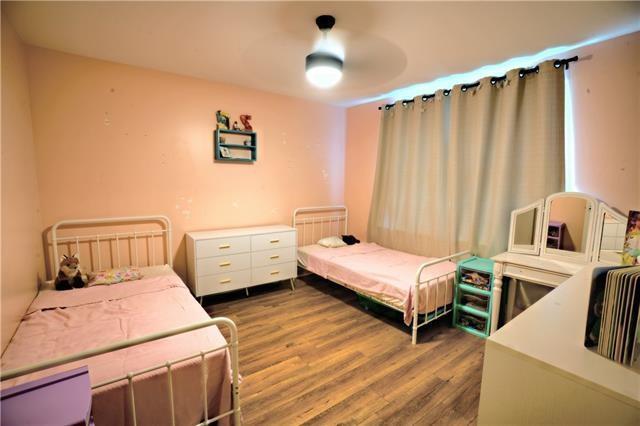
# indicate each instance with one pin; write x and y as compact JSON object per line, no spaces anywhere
{"x":555,"y":234}
{"x":241,"y":146}
{"x":473,"y":297}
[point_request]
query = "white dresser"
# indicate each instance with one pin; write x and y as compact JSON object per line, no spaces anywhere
{"x":230,"y":259}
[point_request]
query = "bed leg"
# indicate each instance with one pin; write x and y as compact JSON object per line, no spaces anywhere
{"x":414,"y":333}
{"x":293,"y":283}
{"x":201,"y":300}
{"x":246,"y":290}
{"x":416,"y":306}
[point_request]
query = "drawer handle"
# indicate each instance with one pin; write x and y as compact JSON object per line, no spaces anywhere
{"x":225,"y":281}
{"x":276,"y":240}
{"x":224,"y":264}
{"x":274,"y":256}
{"x":274,"y":272}
{"x":224,"y":246}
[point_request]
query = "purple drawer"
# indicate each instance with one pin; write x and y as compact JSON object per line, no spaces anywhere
{"x":61,"y":399}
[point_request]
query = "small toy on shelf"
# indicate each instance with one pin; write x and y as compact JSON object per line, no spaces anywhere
{"x":70,"y":275}
{"x":244,"y":119}
{"x":222,"y":119}
{"x":225,"y":152}
{"x":236,"y":126}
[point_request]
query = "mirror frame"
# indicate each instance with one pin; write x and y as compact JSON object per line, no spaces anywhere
{"x":571,"y":256}
{"x":512,"y":247}
{"x":603,"y":210}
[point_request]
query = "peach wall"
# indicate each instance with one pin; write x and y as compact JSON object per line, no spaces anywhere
{"x":22,"y":258}
{"x":363,"y":123}
{"x":116,"y":140}
{"x":605,"y":88}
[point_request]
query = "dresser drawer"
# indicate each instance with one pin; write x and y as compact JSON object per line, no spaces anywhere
{"x":225,"y":281}
{"x":224,"y":263}
{"x":274,"y":256}
{"x":274,"y":240}
{"x":534,"y":275}
{"x":271,"y":273}
{"x":222,"y":246}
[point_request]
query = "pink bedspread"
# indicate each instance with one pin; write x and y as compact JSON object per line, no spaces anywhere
{"x":63,"y":323}
{"x":379,"y":271}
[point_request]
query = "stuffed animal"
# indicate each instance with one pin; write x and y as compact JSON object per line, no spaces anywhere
{"x":350,"y":239}
{"x":70,"y":275}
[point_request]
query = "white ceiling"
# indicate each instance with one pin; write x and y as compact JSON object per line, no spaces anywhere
{"x":263,"y":44}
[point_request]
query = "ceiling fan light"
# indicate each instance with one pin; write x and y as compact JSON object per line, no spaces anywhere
{"x":323,"y":70}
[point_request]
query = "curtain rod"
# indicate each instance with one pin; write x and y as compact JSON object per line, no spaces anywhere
{"x":494,"y":80}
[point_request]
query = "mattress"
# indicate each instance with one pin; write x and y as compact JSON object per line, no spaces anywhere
{"x":382,"y":273}
{"x":61,"y":323}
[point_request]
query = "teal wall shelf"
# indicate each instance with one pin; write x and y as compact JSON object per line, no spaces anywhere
{"x":473,"y":299}
{"x":235,"y":146}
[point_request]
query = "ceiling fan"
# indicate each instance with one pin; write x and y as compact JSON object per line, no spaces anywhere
{"x":324,"y":66}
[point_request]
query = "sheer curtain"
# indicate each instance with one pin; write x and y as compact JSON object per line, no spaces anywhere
{"x":450,"y":169}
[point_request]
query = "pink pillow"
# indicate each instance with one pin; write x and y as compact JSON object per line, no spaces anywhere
{"x":114,"y":276}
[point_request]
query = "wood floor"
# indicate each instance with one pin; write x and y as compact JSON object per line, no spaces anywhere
{"x":315,"y":356}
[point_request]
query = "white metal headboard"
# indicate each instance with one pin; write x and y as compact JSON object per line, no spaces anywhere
{"x":119,"y":237}
{"x":305,"y":217}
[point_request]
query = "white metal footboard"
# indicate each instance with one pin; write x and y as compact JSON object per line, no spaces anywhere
{"x":439,"y":280}
{"x":233,"y":350}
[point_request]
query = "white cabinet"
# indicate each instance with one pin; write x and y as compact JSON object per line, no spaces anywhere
{"x":537,"y":371}
{"x":230,"y":259}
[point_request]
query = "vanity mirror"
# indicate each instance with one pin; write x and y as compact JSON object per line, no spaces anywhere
{"x":526,"y":224}
{"x":567,"y":230}
{"x":609,"y":235}
{"x":550,"y":241}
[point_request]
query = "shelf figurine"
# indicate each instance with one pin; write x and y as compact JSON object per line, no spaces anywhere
{"x":244,"y":118}
{"x":225,"y":153}
{"x":236,"y":126}
{"x":222,"y":119}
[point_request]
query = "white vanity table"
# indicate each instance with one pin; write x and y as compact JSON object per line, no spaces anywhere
{"x":536,"y":368}
{"x":592,"y":234}
{"x":532,"y":269}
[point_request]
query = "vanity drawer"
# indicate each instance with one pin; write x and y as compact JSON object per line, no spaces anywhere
{"x":534,"y":275}
{"x":271,"y":273}
{"x":222,"y":246}
{"x":225,"y":263}
{"x":272,"y":257}
{"x":272,"y":241}
{"x":225,"y":281}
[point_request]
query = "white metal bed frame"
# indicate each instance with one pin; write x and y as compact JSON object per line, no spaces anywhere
{"x":120,"y":237}
{"x":341,"y":214}
{"x":117,"y":237}
{"x":232,"y":346}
